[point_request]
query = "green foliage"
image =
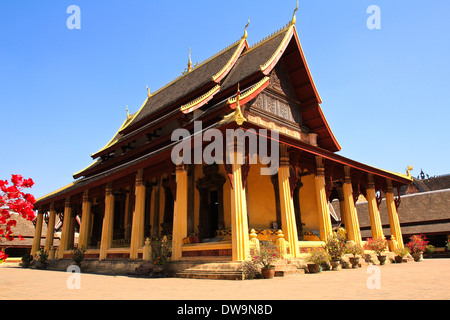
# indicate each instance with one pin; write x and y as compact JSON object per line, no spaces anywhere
{"x":402,"y":252}
{"x":161,"y":251}
{"x":42,"y":256}
{"x":318,"y":256}
{"x":268,"y":253}
{"x":354,"y":249}
{"x":335,"y":245}
{"x":78,"y":255}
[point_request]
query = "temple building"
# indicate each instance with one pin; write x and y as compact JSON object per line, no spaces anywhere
{"x":134,"y":190}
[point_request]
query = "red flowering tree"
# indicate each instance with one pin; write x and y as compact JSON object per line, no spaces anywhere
{"x":14,"y":200}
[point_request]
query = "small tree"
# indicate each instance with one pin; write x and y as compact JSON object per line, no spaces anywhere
{"x":14,"y":200}
{"x":417,"y":243}
{"x":335,"y":245}
{"x":267,"y":254}
{"x":376,"y":245}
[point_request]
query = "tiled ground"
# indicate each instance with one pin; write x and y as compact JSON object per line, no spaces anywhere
{"x":429,"y":279}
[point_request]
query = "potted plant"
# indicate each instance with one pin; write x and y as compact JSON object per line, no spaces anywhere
{"x":267,"y":254}
{"x":316,"y":258}
{"x":41,"y":258}
{"x":417,"y":246}
{"x":78,"y":256}
{"x":161,"y":251}
{"x":335,"y":247}
{"x":26,"y":260}
{"x":401,"y":253}
{"x":378,"y":246}
{"x":356,"y":251}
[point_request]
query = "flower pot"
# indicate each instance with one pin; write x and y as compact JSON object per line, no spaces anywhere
{"x":314,"y":268}
{"x":354,"y":261}
{"x":382,"y":259}
{"x":336,"y":265}
{"x":398,"y":259}
{"x":268,"y":273}
{"x":418,"y":256}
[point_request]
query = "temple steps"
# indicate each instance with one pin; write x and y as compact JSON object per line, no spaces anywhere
{"x":213,"y":270}
{"x":231,"y":271}
{"x":285,"y":269}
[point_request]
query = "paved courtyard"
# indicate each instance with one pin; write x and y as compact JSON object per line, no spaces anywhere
{"x":429,"y":279}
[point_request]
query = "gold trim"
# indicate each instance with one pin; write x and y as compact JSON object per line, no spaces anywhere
{"x":87,"y":167}
{"x":233,"y":57}
{"x":113,"y":140}
{"x":200,"y":99}
{"x":249,"y":91}
{"x":282,"y":44}
{"x":56,"y":191}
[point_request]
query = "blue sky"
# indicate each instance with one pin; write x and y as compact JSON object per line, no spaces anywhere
{"x":63,"y":93}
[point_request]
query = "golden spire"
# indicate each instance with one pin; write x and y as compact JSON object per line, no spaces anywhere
{"x":294,"y":19}
{"x":238,"y":116}
{"x":189,"y":66}
{"x":245,"y":29}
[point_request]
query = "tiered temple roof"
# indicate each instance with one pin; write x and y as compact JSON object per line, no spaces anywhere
{"x":206,"y":93}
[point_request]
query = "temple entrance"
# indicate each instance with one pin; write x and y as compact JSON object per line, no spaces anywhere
{"x":210,"y":188}
{"x":209,"y":214}
{"x":97,"y":223}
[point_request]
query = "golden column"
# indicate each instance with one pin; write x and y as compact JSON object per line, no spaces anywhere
{"x":288,"y":223}
{"x":322,"y":201}
{"x":66,"y":228}
{"x":352,"y":223}
{"x":37,"y":233}
{"x":50,"y":228}
{"x":374,"y":213}
{"x":108,"y":222}
{"x":85,"y":221}
{"x":239,"y":221}
{"x":137,"y":228}
{"x":179,"y":213}
{"x":393,"y":215}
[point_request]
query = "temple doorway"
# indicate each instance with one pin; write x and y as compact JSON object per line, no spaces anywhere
{"x":210,"y":189}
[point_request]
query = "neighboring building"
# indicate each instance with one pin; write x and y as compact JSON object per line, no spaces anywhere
{"x":25,"y":228}
{"x":133,"y":190}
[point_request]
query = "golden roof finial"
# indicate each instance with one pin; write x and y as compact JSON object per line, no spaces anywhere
{"x":294,"y":19}
{"x":148,"y":92}
{"x":245,"y":29}
{"x":128,"y":112}
{"x":238,"y":116}
{"x":189,"y":66}
{"x":408,"y":171}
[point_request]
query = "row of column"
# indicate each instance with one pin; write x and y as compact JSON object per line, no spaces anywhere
{"x":239,"y":223}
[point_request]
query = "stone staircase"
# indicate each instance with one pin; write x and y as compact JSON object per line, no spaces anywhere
{"x":283,"y":268}
{"x":232,"y":270}
{"x":217,"y":271}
